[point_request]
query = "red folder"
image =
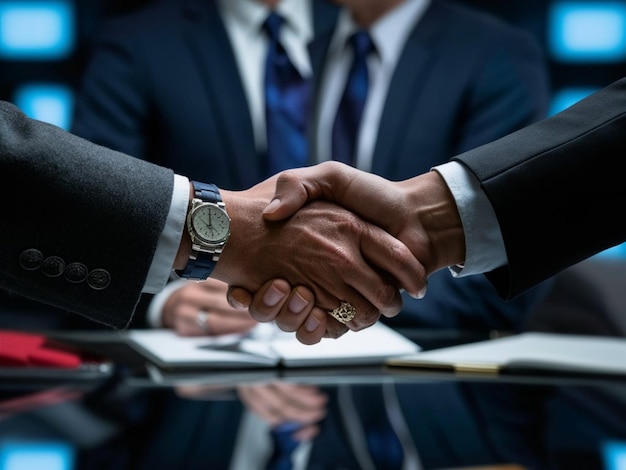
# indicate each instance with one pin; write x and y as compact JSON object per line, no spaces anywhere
{"x":18,"y":349}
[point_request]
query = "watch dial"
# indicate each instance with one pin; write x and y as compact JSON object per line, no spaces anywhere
{"x":211,"y":223}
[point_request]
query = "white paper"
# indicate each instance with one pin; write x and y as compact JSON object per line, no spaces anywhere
{"x":369,"y":346}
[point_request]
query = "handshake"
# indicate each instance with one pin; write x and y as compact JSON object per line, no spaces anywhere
{"x":335,"y":246}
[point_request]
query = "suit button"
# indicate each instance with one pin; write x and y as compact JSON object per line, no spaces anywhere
{"x":76,"y":272}
{"x":53,"y":266}
{"x":31,"y":259}
{"x":99,"y":279}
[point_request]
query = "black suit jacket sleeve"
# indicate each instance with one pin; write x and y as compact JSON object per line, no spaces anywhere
{"x":95,"y":216}
{"x":557,"y":188}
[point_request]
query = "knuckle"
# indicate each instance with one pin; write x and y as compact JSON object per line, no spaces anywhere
{"x":343,"y":260}
{"x":389,"y":301}
{"x":388,"y":297}
{"x":400,"y":255}
{"x":365,"y":318}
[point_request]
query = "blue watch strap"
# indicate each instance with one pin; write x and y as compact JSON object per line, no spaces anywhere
{"x":208,"y":192}
{"x":199,"y":268}
{"x":201,"y":264}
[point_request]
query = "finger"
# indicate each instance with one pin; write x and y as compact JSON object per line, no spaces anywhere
{"x":301,"y":395}
{"x":268,"y":300}
{"x":239,"y":298}
{"x":264,"y":401}
{"x":221,"y":324}
{"x":186,"y":322}
{"x":315,"y":326}
{"x":306,"y":433}
{"x":298,"y":403}
{"x":292,"y":192}
{"x":327,"y":180}
{"x":213,"y":285}
{"x":251,"y":397}
{"x":393,"y":256}
{"x":295,"y":310}
{"x":311,"y":323}
{"x":369,"y":290}
{"x":299,"y":314}
{"x":335,"y":329}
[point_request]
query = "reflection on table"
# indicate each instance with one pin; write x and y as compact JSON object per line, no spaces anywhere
{"x":437,"y":424}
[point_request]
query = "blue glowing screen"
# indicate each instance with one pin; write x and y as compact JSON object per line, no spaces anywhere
{"x":587,"y":31}
{"x":615,"y":455}
{"x":46,"y":102}
{"x":36,"y":30}
{"x":50,"y":455}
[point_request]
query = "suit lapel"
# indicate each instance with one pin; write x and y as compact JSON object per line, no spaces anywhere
{"x":324,"y":20}
{"x":404,"y":89}
{"x":211,"y":49}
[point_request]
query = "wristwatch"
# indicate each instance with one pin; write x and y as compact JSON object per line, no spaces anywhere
{"x":209,"y":227}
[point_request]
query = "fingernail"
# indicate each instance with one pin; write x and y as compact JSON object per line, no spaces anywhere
{"x":311,"y":324}
{"x":297,"y":303}
{"x":234,"y":303}
{"x":272,"y":206}
{"x":422,"y":293}
{"x":273,"y":296}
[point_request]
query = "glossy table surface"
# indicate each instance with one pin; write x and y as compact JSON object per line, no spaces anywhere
{"x":131,"y":417}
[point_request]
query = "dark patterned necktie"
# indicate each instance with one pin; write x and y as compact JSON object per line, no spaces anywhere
{"x":348,"y":119}
{"x":287,"y":97}
{"x":284,"y":446}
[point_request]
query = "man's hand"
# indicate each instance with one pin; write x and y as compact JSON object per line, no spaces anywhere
{"x":205,"y":300}
{"x":279,"y":403}
{"x":340,"y":257}
{"x":420,"y":211}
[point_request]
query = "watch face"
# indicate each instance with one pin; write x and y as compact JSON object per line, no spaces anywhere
{"x":211,"y":223}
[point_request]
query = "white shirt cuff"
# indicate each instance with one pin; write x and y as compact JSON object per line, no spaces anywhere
{"x":169,"y":241}
{"x":155,"y":310}
{"x":484,"y":246}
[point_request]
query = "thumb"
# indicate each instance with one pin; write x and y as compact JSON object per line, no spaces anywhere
{"x":292,"y":192}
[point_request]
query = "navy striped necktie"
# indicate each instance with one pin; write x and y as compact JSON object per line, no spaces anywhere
{"x":287,"y":98}
{"x":350,"y":110}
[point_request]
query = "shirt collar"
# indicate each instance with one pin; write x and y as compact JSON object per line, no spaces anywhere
{"x":388,"y":33}
{"x":251,"y":14}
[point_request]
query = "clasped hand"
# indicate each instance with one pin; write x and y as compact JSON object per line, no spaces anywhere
{"x":312,"y":238}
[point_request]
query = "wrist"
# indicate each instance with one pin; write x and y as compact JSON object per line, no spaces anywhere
{"x":206,"y":232}
{"x":436,"y":214}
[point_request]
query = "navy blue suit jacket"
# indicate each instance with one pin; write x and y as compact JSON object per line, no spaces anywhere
{"x":463,"y":79}
{"x":163,"y":85}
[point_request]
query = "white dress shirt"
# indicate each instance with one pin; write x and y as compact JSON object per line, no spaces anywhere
{"x":389,"y":35}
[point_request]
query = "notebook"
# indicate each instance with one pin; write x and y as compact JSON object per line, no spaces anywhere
{"x":268,"y":347}
{"x":527,"y":352}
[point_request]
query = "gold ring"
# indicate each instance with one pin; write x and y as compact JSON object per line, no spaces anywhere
{"x":202,"y":320}
{"x":344,"y":313}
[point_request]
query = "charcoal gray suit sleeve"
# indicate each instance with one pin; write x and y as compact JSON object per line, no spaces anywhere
{"x":557,"y":188}
{"x":80,"y":222}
